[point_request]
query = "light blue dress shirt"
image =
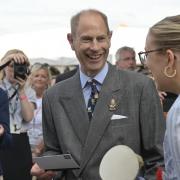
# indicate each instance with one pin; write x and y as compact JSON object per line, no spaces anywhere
{"x":172,"y":143}
{"x":99,"y":78}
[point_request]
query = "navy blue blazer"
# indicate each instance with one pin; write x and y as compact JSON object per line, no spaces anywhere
{"x":5,"y":139}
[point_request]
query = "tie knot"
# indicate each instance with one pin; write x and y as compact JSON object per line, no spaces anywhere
{"x":92,"y":82}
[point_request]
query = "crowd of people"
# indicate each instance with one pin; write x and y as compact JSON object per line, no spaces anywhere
{"x":48,"y":114}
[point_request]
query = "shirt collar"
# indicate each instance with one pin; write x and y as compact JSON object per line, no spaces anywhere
{"x":99,"y":77}
{"x":8,"y":85}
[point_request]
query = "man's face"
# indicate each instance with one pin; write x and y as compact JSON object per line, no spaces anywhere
{"x":127,"y":61}
{"x":91,"y":43}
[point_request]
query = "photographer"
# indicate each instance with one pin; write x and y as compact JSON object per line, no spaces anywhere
{"x":17,"y":161}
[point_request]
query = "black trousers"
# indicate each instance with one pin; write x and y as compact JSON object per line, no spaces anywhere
{"x":17,"y":160}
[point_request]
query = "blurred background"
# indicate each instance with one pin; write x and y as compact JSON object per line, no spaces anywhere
{"x":39,"y":27}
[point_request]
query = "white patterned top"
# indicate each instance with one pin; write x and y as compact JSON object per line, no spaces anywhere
{"x":35,"y":129}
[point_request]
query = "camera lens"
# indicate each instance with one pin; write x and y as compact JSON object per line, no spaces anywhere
{"x":20,"y":70}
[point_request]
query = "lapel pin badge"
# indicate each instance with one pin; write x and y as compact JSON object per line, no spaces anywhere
{"x":113,"y":105}
{"x":96,"y":96}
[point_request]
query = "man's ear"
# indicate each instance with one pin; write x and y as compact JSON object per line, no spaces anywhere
{"x":109,"y":37}
{"x":110,"y":34}
{"x":70,"y":39}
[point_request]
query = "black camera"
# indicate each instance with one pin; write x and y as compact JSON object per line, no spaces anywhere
{"x":21,"y":70}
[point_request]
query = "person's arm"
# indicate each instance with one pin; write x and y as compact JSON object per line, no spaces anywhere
{"x":27,"y":107}
{"x":41,"y":173}
{"x":152,"y":129}
{"x":173,"y":133}
{"x":1,"y":130}
{"x":51,"y":145}
{"x":5,"y":136}
{"x":162,"y":95}
{"x":38,"y":150}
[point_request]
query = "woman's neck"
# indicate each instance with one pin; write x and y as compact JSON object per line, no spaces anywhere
{"x":39,"y":93}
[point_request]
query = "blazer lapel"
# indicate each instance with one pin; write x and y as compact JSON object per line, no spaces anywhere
{"x":102,"y":113}
{"x":73,"y":102}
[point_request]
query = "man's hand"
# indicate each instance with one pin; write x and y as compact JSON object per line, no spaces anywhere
{"x":41,"y":174}
{"x":1,"y":130}
{"x":162,"y":95}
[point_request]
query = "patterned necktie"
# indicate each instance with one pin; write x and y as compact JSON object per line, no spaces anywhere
{"x":93,"y":97}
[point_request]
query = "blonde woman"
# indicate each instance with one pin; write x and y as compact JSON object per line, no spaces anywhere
{"x":17,"y":160}
{"x":39,"y":80}
{"x":162,"y":56}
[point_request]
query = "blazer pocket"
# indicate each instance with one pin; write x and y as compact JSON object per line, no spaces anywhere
{"x":120,"y":122}
{"x":117,"y":116}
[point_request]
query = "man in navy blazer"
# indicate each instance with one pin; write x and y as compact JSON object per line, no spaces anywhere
{"x":127,"y":111}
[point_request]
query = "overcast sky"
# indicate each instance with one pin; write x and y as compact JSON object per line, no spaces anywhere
{"x":39,"y":27}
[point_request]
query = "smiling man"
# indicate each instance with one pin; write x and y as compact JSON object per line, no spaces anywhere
{"x":78,"y":112}
{"x":90,"y":41}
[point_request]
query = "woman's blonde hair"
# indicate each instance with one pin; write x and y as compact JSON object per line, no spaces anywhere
{"x":35,"y":68}
{"x":166,"y":33}
{"x":12,"y":51}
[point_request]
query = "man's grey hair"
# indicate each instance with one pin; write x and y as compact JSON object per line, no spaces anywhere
{"x":124,"y":48}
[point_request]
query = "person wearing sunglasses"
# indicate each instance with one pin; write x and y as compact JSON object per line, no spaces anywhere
{"x":162,"y":57}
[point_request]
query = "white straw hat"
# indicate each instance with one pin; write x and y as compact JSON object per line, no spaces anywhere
{"x":119,"y":163}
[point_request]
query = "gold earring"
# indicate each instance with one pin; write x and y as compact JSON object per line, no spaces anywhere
{"x":169,"y":75}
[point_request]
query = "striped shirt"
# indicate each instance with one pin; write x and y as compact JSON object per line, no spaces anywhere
{"x":172,"y":143}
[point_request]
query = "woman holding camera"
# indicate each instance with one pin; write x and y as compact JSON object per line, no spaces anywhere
{"x":17,"y":160}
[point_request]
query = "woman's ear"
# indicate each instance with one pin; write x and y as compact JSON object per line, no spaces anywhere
{"x":170,"y":57}
{"x":170,"y":68}
{"x":70,"y":39}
